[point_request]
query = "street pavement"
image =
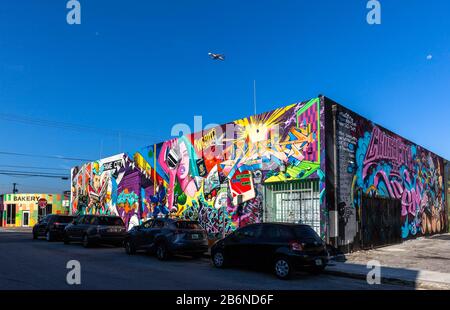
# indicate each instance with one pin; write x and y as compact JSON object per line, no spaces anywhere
{"x":27,"y":264}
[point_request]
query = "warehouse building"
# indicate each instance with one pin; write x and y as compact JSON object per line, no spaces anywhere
{"x":356,"y":183}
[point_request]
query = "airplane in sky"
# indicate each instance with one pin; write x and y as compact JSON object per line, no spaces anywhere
{"x":216,"y":56}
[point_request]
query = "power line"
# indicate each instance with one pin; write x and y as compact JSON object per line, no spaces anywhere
{"x":33,"y":188}
{"x":33,"y":167}
{"x":44,"y":156}
{"x":75,"y":127}
{"x":33,"y":174}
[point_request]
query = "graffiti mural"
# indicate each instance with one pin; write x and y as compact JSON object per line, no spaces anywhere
{"x":394,"y":168}
{"x":221,"y":176}
{"x":216,"y":176}
{"x":375,"y":162}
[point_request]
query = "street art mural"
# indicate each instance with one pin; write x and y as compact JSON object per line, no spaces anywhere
{"x":215,"y":176}
{"x":220,"y":176}
{"x":377,"y":163}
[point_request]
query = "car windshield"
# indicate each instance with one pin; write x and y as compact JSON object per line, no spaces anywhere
{"x":306,"y":233}
{"x":187,"y":225}
{"x":64,"y":219}
{"x":110,"y":221}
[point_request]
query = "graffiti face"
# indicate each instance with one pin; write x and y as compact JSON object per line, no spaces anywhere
{"x":96,"y":182}
{"x":183,"y":169}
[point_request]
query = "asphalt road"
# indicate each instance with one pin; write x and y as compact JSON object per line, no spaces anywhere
{"x":27,"y":264}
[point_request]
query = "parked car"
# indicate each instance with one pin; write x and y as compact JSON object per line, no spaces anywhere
{"x":167,"y":237}
{"x":281,"y":247}
{"x":95,"y":229}
{"x":51,"y":226}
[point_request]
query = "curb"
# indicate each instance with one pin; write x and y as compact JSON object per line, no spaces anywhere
{"x":421,"y":284}
{"x":391,"y":280}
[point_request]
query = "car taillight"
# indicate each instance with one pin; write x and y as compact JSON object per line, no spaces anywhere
{"x":295,"y":246}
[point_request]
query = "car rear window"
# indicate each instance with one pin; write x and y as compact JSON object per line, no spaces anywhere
{"x":64,"y":219}
{"x":277,"y":232}
{"x":110,"y":221}
{"x":187,"y":225}
{"x":306,"y":233}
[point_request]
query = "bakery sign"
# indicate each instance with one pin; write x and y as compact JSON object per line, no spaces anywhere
{"x":25,"y":198}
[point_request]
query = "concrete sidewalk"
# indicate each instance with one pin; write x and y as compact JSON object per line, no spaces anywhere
{"x":390,"y":275}
{"x":424,"y":253}
{"x":16,"y":229}
{"x":423,"y":263}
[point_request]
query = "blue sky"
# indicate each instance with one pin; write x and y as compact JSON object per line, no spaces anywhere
{"x":142,"y":66}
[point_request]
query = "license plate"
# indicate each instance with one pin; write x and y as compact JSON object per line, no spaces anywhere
{"x":318,"y":262}
{"x":195,"y":236}
{"x":112,"y":230}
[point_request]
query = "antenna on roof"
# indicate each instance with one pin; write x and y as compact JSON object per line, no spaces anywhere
{"x":254,"y":96}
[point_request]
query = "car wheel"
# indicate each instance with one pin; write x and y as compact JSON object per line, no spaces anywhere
{"x":35,"y":236}
{"x":218,"y":259}
{"x":86,"y":242}
{"x":129,"y":248}
{"x":161,"y":252}
{"x":49,"y":236}
{"x":282,"y":268}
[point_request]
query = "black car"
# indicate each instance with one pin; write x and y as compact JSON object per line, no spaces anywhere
{"x":51,"y":226}
{"x":281,"y":247}
{"x":167,"y":237}
{"x":95,"y":229}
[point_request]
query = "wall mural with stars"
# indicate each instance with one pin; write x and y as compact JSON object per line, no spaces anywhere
{"x":215,"y":176}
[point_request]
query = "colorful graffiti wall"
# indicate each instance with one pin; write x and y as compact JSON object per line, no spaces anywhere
{"x":375,"y":162}
{"x":33,"y":206}
{"x":215,"y":176}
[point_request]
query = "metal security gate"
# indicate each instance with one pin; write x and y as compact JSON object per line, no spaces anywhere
{"x":293,"y":202}
{"x":380,"y":221}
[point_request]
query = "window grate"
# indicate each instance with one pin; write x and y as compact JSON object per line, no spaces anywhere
{"x":295,"y":202}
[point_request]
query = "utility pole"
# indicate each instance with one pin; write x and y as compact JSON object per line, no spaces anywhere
{"x":15,"y":190}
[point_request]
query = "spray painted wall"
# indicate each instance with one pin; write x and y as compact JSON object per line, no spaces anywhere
{"x":447,"y":169}
{"x":376,"y":162}
{"x":200,"y":176}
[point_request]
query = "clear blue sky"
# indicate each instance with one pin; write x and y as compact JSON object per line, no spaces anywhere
{"x":142,"y":66}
